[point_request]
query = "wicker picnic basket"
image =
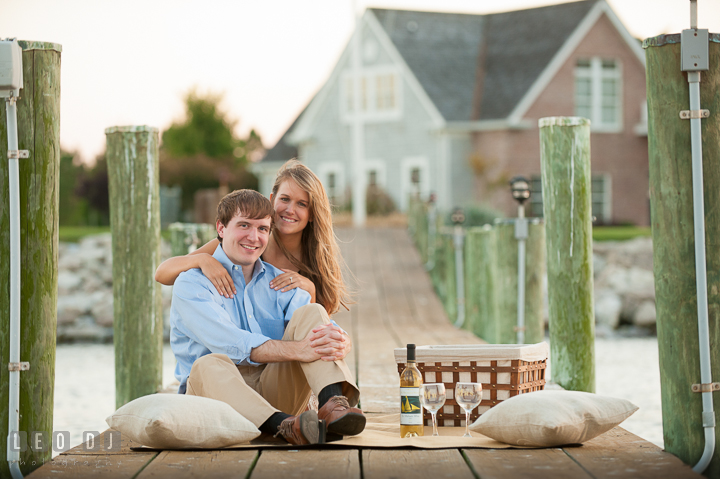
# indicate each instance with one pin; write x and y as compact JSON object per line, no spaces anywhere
{"x":505,"y":370}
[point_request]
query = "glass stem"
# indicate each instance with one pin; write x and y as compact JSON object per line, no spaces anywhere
{"x":467,"y":423}
{"x":434,"y":420}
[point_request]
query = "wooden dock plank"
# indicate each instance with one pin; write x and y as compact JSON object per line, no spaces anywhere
{"x":619,"y":453}
{"x":310,"y":464}
{"x":200,"y":464}
{"x":84,"y":448}
{"x":524,"y":464}
{"x":415,"y":463}
{"x":110,"y":466}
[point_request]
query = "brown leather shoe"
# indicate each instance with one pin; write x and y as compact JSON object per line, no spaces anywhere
{"x":341,"y":418}
{"x":300,"y":430}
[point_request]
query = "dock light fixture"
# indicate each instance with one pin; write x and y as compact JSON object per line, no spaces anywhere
{"x":520,"y":187}
{"x":458,"y":218}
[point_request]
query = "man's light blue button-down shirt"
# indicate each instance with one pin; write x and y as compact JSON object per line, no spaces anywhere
{"x":203,"y":322}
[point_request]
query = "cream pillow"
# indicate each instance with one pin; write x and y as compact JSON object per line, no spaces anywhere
{"x":552,"y":418}
{"x":179,"y":421}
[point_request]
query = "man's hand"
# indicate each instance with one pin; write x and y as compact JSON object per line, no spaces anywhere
{"x":330,"y":342}
{"x":326,"y":342}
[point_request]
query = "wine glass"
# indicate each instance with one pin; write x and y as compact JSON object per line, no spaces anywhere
{"x":468,"y":397}
{"x":432,"y":397}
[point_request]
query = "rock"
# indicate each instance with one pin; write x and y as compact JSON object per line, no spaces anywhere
{"x":102,"y":311}
{"x":645,"y":315}
{"x":607,"y":309}
{"x":84,"y":329}
{"x":68,"y":282}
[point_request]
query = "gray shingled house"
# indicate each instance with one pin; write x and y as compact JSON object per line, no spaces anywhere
{"x":450,"y":104}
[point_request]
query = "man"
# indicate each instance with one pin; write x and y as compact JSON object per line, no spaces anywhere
{"x":263,"y":351}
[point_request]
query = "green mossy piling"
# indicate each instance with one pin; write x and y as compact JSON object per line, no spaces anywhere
{"x":132,"y":155}
{"x":674,"y":244}
{"x":567,"y":208}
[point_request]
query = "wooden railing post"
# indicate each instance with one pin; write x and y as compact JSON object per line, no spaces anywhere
{"x":187,"y":237}
{"x":39,"y":132}
{"x":507,"y":282}
{"x":671,"y":200}
{"x":132,"y":156}
{"x":567,"y":207}
{"x":481,"y":282}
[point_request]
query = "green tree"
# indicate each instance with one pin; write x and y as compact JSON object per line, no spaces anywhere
{"x":203,"y":151}
{"x":72,"y":207}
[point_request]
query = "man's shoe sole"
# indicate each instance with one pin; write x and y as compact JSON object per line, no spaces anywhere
{"x":351,"y":424}
{"x":309,"y":426}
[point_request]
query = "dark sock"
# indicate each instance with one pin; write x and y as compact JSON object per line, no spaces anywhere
{"x":328,"y":392}
{"x":273,"y":422}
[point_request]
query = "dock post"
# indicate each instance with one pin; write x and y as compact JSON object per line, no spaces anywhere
{"x":39,"y":132}
{"x":567,"y":207}
{"x":481,"y":273}
{"x":132,"y":156}
{"x":187,"y":237}
{"x":507,"y":282}
{"x":671,"y":200}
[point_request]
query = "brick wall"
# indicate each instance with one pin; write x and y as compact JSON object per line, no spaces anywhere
{"x":624,"y":155}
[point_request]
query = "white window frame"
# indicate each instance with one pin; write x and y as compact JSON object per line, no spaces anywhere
{"x":369,"y":98}
{"x":406,"y":187}
{"x":596,"y":74}
{"x":324,"y":171}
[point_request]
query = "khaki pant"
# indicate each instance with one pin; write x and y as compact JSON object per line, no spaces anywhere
{"x":257,"y":392}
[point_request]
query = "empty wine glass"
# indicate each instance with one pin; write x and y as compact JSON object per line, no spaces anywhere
{"x":432,"y":397}
{"x":468,"y":397}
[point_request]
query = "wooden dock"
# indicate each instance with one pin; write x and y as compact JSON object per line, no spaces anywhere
{"x":396,"y":305}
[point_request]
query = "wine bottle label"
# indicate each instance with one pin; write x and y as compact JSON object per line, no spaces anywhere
{"x":410,"y":409}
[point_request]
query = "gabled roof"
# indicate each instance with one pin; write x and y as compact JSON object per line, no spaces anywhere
{"x":442,"y":51}
{"x":482,"y":67}
{"x":520,"y":45}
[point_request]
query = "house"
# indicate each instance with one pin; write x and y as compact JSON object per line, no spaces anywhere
{"x":450,"y":104}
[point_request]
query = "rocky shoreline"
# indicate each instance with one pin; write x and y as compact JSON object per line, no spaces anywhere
{"x":624,"y":289}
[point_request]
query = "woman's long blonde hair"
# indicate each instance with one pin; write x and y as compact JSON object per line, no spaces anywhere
{"x":321,"y":261}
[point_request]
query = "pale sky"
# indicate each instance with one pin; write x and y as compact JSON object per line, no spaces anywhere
{"x":130,"y":62}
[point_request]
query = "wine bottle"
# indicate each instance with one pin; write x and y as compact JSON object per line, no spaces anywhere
{"x":411,"y":416}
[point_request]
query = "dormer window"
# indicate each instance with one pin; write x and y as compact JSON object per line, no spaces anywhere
{"x":379,"y":94}
{"x":598,"y":93}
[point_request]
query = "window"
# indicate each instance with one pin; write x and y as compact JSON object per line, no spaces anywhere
{"x":598,"y":95}
{"x":601,"y":198}
{"x":372,"y":178}
{"x":379,"y":94}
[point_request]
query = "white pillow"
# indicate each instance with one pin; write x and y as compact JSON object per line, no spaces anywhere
{"x":180,"y":421}
{"x":552,"y":418}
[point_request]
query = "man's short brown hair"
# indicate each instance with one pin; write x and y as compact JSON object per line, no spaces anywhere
{"x":249,"y":203}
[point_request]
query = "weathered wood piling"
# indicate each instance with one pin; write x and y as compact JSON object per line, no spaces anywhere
{"x":506,"y":255}
{"x":674,"y":243}
{"x":481,"y":304}
{"x":567,"y":207}
{"x":132,"y":156}
{"x":39,"y":132}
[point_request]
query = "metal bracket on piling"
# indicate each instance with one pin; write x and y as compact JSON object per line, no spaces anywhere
{"x":23,"y":366}
{"x":705,"y":388}
{"x":518,"y":328}
{"x":15,"y":154}
{"x":694,"y":114}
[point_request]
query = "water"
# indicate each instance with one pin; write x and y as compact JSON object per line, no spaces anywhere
{"x":85,"y":384}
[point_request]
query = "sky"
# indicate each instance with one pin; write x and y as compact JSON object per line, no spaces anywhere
{"x":131,"y":62}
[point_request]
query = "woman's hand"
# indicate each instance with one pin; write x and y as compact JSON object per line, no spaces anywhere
{"x":217,"y":274}
{"x":291,"y":280}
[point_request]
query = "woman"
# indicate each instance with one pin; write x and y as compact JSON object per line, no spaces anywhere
{"x":302,"y":244}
